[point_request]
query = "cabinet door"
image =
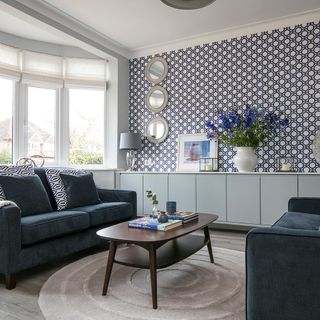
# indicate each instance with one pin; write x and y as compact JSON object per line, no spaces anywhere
{"x":182,"y":188}
{"x":212,"y":194}
{"x":309,"y":186}
{"x":243,"y":198}
{"x":158,"y":183}
{"x":275,"y":194}
{"x":133,"y":182}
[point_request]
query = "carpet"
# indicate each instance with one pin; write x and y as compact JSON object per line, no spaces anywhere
{"x":190,"y":289}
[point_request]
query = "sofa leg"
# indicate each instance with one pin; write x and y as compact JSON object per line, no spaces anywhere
{"x":11,"y":281}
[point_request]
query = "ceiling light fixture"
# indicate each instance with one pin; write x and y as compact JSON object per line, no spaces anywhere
{"x":187,"y":4}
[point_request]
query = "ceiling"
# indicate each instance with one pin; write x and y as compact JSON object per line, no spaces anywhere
{"x":136,"y":24}
{"x":20,"y":26}
{"x":141,"y":27}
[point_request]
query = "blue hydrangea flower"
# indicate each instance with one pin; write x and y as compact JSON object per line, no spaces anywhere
{"x":249,"y":128}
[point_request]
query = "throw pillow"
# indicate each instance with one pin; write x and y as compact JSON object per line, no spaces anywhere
{"x":23,"y":170}
{"x":56,"y":184}
{"x":12,"y":170}
{"x":81,"y":190}
{"x":27,"y":192}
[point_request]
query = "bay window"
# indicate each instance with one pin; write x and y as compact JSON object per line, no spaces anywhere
{"x":52,"y":107}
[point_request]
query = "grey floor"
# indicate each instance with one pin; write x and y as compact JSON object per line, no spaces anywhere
{"x":22,"y":302}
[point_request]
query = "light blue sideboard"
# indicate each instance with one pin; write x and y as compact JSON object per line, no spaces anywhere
{"x":241,"y":199}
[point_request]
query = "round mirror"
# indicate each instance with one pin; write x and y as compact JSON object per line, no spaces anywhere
{"x":157,"y":130}
{"x":156,"y":99}
{"x":156,"y":70}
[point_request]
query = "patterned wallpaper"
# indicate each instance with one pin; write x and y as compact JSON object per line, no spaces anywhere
{"x":277,"y":70}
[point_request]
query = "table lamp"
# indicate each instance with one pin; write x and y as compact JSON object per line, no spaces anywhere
{"x":131,"y":142}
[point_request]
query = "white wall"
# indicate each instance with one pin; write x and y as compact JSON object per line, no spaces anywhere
{"x":104,"y":178}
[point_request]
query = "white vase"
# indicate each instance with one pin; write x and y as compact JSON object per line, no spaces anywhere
{"x":245,"y":160}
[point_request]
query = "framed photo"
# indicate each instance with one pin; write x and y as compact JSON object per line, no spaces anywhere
{"x":192,"y":147}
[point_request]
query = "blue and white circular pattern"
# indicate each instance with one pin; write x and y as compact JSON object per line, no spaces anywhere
{"x":277,"y":70}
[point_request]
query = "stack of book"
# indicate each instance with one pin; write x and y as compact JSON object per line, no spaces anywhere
{"x":184,"y":216}
{"x":154,"y":224}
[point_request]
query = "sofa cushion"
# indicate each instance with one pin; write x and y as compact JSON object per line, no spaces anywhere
{"x":41,"y":172}
{"x":299,"y":220}
{"x":12,"y":170}
{"x":27,"y":192}
{"x":19,"y":170}
{"x":56,"y":184}
{"x":81,"y":190}
{"x":107,"y":212}
{"x":52,"y":224}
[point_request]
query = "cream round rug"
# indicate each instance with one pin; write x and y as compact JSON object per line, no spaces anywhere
{"x":190,"y":289}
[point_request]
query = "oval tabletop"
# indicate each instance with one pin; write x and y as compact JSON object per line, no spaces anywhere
{"x":121,"y":231}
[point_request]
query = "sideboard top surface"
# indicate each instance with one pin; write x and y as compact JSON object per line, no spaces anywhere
{"x":222,"y":173}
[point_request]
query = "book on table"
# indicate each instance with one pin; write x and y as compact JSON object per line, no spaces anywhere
{"x":184,"y":216}
{"x":154,"y":224}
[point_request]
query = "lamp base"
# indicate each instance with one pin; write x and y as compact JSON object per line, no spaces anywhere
{"x":131,"y":159}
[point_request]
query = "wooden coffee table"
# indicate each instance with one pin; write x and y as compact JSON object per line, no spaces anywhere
{"x":154,"y":250}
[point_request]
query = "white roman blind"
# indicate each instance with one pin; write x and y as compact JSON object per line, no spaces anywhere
{"x":89,"y":72}
{"x":39,"y":67}
{"x":9,"y":62}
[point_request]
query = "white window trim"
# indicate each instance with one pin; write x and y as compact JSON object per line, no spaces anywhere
{"x":15,"y":121}
{"x":63,"y":128}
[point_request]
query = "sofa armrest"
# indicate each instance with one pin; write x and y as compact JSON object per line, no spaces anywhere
{"x":10,"y":237}
{"x":282,"y":267}
{"x":308,"y":205}
{"x":111,"y":195}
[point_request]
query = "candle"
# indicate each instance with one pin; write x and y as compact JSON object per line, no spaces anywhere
{"x":208,"y":167}
{"x":285,"y":167}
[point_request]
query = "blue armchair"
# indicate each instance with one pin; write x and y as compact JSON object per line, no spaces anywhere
{"x":283,"y":265}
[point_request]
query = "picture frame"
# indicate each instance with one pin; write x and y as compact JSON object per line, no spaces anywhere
{"x":192,"y":147}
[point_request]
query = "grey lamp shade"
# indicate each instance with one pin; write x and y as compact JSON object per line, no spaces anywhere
{"x":130,"y":141}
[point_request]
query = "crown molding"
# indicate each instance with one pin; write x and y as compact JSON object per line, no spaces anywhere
{"x":50,"y":15}
{"x":229,"y":33}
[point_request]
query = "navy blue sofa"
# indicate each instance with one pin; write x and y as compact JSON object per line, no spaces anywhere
{"x":283,"y":265}
{"x":32,"y":240}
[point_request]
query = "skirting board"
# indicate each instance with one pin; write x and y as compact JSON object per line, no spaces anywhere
{"x":230,"y":226}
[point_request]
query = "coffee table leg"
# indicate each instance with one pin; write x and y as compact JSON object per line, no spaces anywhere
{"x":112,"y":253}
{"x":153,"y":274}
{"x":207,"y":238}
